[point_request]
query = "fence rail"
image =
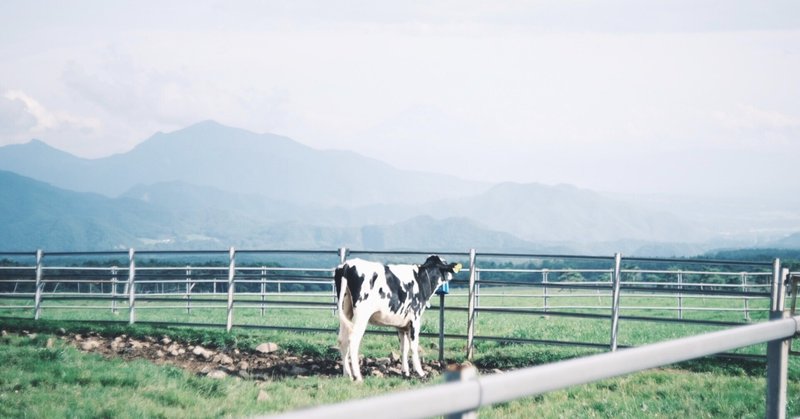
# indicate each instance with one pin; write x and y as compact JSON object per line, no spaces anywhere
{"x":472,"y":394}
{"x":236,"y":280}
{"x":240,"y":281}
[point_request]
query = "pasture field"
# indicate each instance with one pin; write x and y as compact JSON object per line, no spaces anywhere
{"x":37,"y":381}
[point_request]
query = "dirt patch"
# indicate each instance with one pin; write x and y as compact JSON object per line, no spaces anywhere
{"x":268,"y":362}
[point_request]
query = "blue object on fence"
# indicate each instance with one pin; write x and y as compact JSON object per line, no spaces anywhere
{"x":444,"y":289}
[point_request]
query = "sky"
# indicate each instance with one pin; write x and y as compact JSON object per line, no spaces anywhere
{"x":664,"y":97}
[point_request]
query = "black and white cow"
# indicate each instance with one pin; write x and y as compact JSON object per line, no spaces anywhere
{"x":387,"y":295}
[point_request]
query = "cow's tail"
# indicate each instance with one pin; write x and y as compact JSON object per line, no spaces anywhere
{"x":341,"y":288}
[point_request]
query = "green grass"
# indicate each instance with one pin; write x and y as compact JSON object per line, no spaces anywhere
{"x":62,"y":382}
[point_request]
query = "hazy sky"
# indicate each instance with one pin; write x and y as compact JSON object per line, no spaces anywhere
{"x":631,"y":96}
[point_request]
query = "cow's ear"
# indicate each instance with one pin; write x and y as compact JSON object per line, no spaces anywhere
{"x":455,"y":267}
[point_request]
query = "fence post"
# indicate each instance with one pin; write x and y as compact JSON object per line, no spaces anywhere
{"x":471,"y":304}
{"x":114,"y":290}
{"x":616,"y":280}
{"x":777,"y":350}
{"x":680,"y":295}
{"x":231,"y":285}
{"x":188,"y":289}
{"x":746,"y":299}
{"x":263,"y":289}
{"x":132,"y":285}
{"x":441,"y":329}
{"x":464,"y":373}
{"x":545,"y":273}
{"x":37,"y":296}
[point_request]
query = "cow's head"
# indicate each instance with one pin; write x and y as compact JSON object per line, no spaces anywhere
{"x":439,"y":268}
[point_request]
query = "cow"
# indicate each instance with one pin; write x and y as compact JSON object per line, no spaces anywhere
{"x":385,"y":295}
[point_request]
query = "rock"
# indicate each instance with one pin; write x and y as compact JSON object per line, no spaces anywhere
{"x":243,"y":374}
{"x":160,"y":354}
{"x":61,"y":331}
{"x":497,"y":371}
{"x":393,"y":357}
{"x":395,"y":371}
{"x":383,"y":361}
{"x":243,"y":366}
{"x":32,"y":335}
{"x":267,"y":348}
{"x":181,"y":351}
{"x":166,"y":340}
{"x":51,"y":342}
{"x":376,"y":373}
{"x":174,"y":352}
{"x":90,"y":345}
{"x":262,"y":396}
{"x":78,"y":338}
{"x":207,"y":369}
{"x":222,"y":359}
{"x":25,"y":333}
{"x":217,"y":374}
{"x":202,"y":352}
{"x":135,"y":344}
{"x":3,"y":333}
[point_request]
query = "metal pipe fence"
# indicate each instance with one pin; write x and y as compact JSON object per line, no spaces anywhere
{"x":463,"y":395}
{"x":242,"y":279}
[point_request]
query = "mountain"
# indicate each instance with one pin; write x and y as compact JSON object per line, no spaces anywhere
{"x":35,"y":215}
{"x":236,"y":160}
{"x":565,"y":213}
{"x":211,"y":186}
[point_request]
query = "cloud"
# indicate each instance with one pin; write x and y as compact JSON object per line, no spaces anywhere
{"x":22,"y":117}
{"x":752,"y":126}
{"x":15,"y":118}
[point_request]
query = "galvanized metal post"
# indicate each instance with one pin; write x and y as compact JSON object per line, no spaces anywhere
{"x":37,"y":296}
{"x":441,"y":328}
{"x":132,"y":285}
{"x":471,"y":304}
{"x":465,"y":373}
{"x":231,"y":285}
{"x":545,"y":273}
{"x":777,"y":350}
{"x":746,"y":299}
{"x":616,"y":280}
{"x":263,"y":289}
{"x":114,"y":290}
{"x":188,"y":289}
{"x":680,"y":295}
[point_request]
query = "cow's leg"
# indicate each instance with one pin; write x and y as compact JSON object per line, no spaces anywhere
{"x":402,"y":334}
{"x":359,"y":328}
{"x":414,"y":334}
{"x":344,"y":349}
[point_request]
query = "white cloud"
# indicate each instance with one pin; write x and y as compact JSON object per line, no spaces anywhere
{"x":30,"y":119}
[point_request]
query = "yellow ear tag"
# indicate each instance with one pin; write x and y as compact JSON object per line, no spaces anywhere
{"x":457,"y":268}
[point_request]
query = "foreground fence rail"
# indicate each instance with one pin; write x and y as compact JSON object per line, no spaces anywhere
{"x":471,"y":394}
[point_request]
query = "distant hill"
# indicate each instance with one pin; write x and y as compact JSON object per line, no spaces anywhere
{"x":35,"y":215}
{"x":236,"y":160}
{"x":209,"y":185}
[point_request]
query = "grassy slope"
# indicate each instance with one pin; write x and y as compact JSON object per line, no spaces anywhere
{"x":36,"y":381}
